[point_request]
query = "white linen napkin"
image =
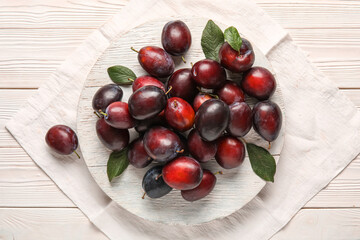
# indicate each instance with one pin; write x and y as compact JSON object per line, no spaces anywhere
{"x":322,"y":127}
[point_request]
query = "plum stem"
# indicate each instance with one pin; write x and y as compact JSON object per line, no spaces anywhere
{"x":131,"y":80}
{"x":219,"y":172}
{"x":101,"y":112}
{"x":181,"y":151}
{"x":134,"y":49}
{"x":77,"y":154}
{"x":158,"y":176}
{"x":191,"y":64}
{"x":97,"y":114}
{"x":175,"y":103}
{"x":269,"y":145}
{"x":168,"y":90}
{"x":143,"y":196}
{"x":213,"y":95}
{"x":183,"y":59}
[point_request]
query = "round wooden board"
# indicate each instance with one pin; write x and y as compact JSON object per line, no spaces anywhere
{"x":233,"y":189}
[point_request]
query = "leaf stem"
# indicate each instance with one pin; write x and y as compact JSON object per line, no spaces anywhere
{"x":131,"y":80}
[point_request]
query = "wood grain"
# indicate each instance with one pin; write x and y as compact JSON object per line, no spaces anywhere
{"x":34,"y":34}
{"x":10,"y":102}
{"x":25,"y":50}
{"x":322,"y":224}
{"x":23,"y":184}
{"x":59,"y":224}
{"x":40,"y":223}
{"x":37,"y":36}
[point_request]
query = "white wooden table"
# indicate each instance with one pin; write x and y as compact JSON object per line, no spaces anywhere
{"x":37,"y":35}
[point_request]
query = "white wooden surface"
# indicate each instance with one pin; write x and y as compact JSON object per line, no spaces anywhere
{"x":37,"y":35}
{"x":126,"y":190}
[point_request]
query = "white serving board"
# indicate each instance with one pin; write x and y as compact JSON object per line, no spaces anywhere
{"x":234,"y":188}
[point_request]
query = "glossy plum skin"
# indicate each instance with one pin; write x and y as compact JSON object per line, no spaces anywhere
{"x":153,"y":183}
{"x":259,"y":83}
{"x":105,"y":95}
{"x":179,"y":114}
{"x":118,"y":116}
{"x":113,"y":138}
{"x":200,"y":99}
{"x":137,"y":155}
{"x":240,"y":119}
{"x":176,"y":38}
{"x":212,"y":119}
{"x":183,"y":173}
{"x":147,"y":102}
{"x":182,"y":85}
{"x":156,"y":61}
{"x":230,"y":93}
{"x":235,"y":61}
{"x":209,"y":74}
{"x":162,"y":144}
{"x":184,"y":145}
{"x":267,"y":120}
{"x":146,"y":80}
{"x":205,"y":187}
{"x":201,"y":150}
{"x":144,"y":125}
{"x":62,"y":139}
{"x":230,"y":152}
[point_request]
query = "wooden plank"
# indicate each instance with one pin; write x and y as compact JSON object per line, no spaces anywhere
{"x":343,"y":191}
{"x":39,"y":223}
{"x":41,"y":191}
{"x":340,"y":67}
{"x":43,"y":223}
{"x":326,"y":224}
{"x":91,"y":14}
{"x":29,"y":56}
{"x":10,"y":102}
{"x":58,"y":14}
{"x":314,"y":14}
{"x":24,"y":184}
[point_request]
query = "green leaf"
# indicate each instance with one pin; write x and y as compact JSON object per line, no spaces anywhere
{"x":121,"y":75}
{"x":211,"y":40}
{"x":117,"y":163}
{"x":232,"y":36}
{"x":262,"y":162}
